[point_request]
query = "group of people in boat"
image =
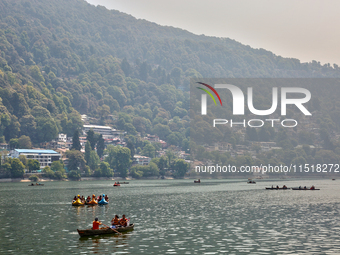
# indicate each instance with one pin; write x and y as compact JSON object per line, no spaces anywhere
{"x":305,"y":187}
{"x":277,"y":187}
{"x":88,"y":199}
{"x":115,"y":222}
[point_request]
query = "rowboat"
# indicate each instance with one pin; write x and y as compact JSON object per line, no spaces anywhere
{"x":104,"y":231}
{"x":116,"y":185}
{"x":37,"y":184}
{"x":304,"y":189}
{"x":278,"y":188}
{"x":198,"y":181}
{"x":122,"y":182}
{"x":251,"y":182}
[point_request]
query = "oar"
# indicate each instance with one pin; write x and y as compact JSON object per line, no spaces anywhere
{"x":112,"y":229}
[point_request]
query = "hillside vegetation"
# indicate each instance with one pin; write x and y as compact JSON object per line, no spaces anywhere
{"x":63,"y":58}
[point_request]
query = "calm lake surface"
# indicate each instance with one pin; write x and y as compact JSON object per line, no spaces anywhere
{"x":174,"y":217}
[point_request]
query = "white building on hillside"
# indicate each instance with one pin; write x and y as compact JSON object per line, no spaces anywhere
{"x":45,"y":157}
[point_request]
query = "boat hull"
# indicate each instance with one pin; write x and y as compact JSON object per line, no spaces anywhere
{"x":303,"y":189}
{"x":91,"y":203}
{"x":106,"y":231}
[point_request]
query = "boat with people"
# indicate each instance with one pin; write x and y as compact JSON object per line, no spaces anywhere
{"x":104,"y":231}
{"x":121,"y":182}
{"x":78,"y":201}
{"x":277,"y":187}
{"x":116,"y":184}
{"x":93,"y":201}
{"x":37,"y":184}
{"x":198,"y":181}
{"x":250,"y":181}
{"x":102,"y":200}
{"x":305,"y":188}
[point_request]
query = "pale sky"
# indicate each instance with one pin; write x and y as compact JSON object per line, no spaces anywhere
{"x":303,"y":29}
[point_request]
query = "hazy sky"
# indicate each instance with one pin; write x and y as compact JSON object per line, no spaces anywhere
{"x":304,"y":29}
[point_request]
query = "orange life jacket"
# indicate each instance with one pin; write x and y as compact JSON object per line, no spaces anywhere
{"x":123,"y":221}
{"x":115,"y":221}
{"x":95,"y":225}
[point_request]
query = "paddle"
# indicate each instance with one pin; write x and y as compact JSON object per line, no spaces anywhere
{"x":112,"y":229}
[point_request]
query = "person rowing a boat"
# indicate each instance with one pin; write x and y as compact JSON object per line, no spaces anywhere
{"x":96,"y":223}
{"x":313,"y":187}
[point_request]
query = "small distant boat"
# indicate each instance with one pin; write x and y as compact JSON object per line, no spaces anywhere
{"x":274,"y":188}
{"x":333,"y":179}
{"x":37,"y":184}
{"x":198,"y":181}
{"x":104,"y":231}
{"x":300,"y":188}
{"x":116,"y":185}
{"x":122,"y":182}
{"x":250,"y":181}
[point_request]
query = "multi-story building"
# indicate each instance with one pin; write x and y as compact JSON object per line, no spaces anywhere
{"x":104,"y":130}
{"x":45,"y":157}
{"x":141,"y":160}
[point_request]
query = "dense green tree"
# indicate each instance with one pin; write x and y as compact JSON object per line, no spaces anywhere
{"x":48,"y":172}
{"x":14,"y":143}
{"x":180,"y":168}
{"x":33,"y":178}
{"x":105,"y":169}
{"x":74,"y":175}
{"x":94,"y":160}
{"x":100,"y":146}
{"x":75,"y":141}
{"x":119,"y":159}
{"x":91,"y":138}
{"x":17,"y":168}
{"x":149,"y":150}
{"x":88,"y":150}
{"x":76,"y":160}
{"x":33,"y":165}
{"x":23,"y":159}
{"x":57,"y":166}
{"x":24,"y":142}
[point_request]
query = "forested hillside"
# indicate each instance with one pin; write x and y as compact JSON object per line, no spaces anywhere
{"x":63,"y":58}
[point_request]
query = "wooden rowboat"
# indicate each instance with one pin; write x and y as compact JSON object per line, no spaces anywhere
{"x":278,"y":188}
{"x":304,"y":189}
{"x":104,"y":231}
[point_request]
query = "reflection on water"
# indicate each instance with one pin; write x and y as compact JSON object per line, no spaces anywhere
{"x":174,"y":217}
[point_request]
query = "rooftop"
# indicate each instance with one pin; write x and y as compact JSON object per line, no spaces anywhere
{"x":95,"y":126}
{"x":36,"y":151}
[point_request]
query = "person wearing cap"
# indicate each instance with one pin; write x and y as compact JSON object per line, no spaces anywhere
{"x":96,"y":223}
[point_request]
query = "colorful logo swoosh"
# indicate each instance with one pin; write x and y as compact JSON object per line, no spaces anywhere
{"x":213,"y":90}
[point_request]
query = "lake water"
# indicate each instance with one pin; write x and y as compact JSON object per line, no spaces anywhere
{"x":174,"y":217}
